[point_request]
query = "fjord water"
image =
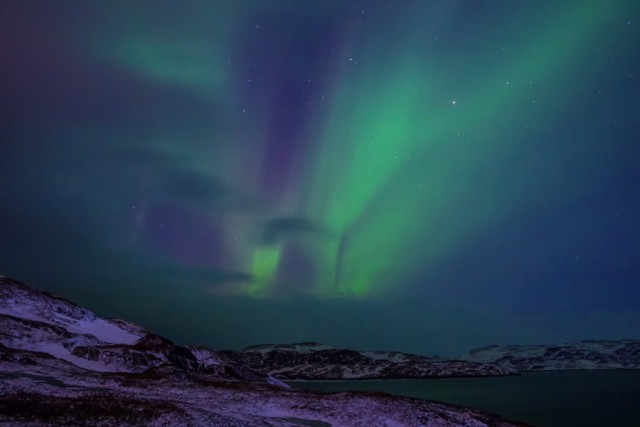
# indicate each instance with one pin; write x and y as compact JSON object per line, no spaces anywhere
{"x":545,"y":399}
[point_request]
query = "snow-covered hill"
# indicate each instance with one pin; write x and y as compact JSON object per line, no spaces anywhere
{"x":24,"y":302}
{"x":593,"y":354}
{"x":36,"y":321}
{"x":60,"y":364}
{"x":314,"y":361}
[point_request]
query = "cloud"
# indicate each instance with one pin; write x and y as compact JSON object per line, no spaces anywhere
{"x":278,"y":228}
{"x":202,"y":275}
{"x":195,"y":188}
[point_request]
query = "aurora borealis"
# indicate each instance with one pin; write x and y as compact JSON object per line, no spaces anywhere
{"x":424,"y":176}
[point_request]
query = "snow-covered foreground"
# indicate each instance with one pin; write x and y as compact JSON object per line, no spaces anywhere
{"x":60,"y":364}
{"x":156,"y":401}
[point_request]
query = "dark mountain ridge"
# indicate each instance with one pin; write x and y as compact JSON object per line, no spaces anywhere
{"x":315,"y":361}
{"x":588,"y":354}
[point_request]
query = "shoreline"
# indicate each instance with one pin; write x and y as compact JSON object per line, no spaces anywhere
{"x":469,"y":377}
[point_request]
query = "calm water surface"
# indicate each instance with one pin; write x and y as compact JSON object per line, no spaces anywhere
{"x":604,"y":398}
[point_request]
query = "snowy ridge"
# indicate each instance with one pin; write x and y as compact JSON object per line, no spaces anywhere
{"x":205,"y":356}
{"x":27,"y":334}
{"x":21,"y":301}
{"x":299,"y":348}
{"x":37,"y":321}
{"x":314,"y":361}
{"x":591,"y":354}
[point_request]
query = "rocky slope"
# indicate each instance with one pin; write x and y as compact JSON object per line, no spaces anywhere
{"x":39,"y":322}
{"x":60,"y":364}
{"x":314,"y":361}
{"x":593,"y":354}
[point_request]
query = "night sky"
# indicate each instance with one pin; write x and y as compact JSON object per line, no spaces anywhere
{"x":424,"y":176}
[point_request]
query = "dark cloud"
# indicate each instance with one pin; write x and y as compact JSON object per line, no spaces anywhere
{"x":279,"y":228}
{"x":202,"y":189}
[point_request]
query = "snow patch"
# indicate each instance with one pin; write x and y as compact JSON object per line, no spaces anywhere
{"x":104,"y":331}
{"x":57,"y":350}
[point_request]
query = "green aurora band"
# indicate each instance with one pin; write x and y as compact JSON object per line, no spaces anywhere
{"x":398,"y":148}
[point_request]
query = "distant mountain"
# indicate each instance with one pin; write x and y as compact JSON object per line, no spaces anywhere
{"x":593,"y":354}
{"x":60,"y":364}
{"x":314,"y":361}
